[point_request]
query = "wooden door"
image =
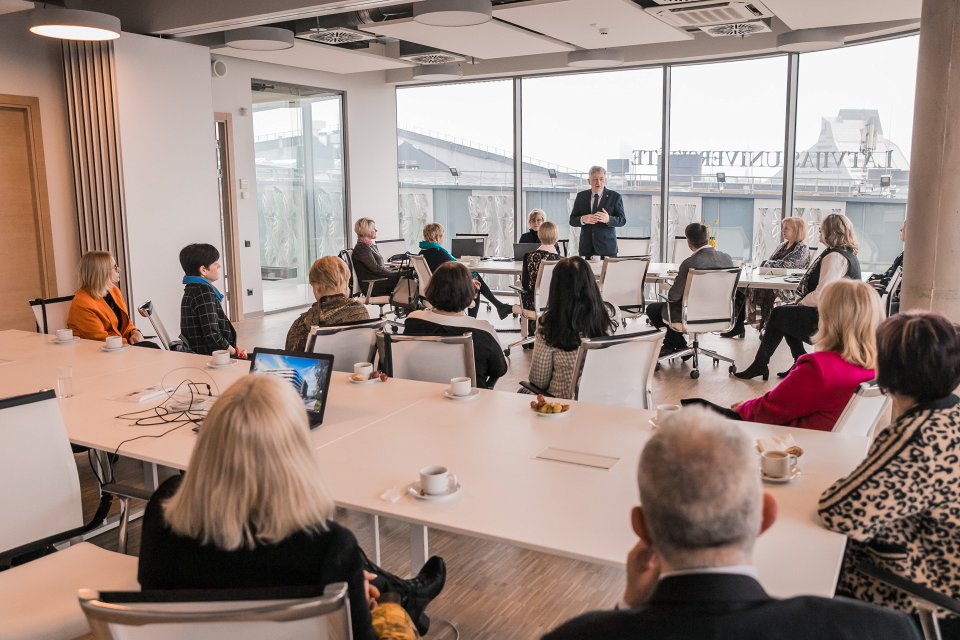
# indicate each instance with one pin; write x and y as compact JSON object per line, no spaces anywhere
{"x":26,"y":255}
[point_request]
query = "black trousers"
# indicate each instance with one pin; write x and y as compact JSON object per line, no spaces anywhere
{"x":673,"y":339}
{"x":792,"y":322}
{"x":700,"y":402}
{"x":486,"y":293}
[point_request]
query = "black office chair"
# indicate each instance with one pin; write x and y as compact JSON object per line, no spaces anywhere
{"x":927,"y":599}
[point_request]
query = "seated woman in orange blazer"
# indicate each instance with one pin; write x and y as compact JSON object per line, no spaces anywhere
{"x":98,"y":309}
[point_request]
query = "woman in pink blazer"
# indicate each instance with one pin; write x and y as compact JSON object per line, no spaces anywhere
{"x":815,"y":392}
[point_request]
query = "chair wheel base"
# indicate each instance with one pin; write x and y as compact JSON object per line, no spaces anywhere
{"x":694,"y":374}
{"x":733,"y":368}
{"x":506,"y":352}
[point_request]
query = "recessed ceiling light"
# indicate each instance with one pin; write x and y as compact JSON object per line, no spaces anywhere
{"x":594,"y":58}
{"x":259,"y":38}
{"x":806,"y":40}
{"x":73,"y":24}
{"x":452,"y":13}
{"x":437,"y":72}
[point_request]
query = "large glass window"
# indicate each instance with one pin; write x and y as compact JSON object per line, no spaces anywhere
{"x":726,"y":150}
{"x":854,"y":126}
{"x":455,"y":161}
{"x":298,"y":144}
{"x":572,"y":122}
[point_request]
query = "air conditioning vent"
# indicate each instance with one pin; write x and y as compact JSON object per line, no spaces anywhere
{"x":699,"y":13}
{"x":336,"y":35}
{"x":736,"y":30}
{"x":433,"y":57}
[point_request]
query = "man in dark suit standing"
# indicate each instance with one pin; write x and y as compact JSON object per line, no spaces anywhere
{"x":704,"y":257}
{"x":597,"y":211}
{"x":691,"y":576}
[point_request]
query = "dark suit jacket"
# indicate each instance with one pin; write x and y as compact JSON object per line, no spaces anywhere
{"x":735,"y":607}
{"x":598,"y":239}
{"x":706,"y":258}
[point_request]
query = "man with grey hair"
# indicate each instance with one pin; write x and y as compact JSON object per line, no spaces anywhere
{"x":598,"y":211}
{"x":690,"y":575}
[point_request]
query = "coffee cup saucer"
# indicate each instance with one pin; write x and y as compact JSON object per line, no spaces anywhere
{"x":367,"y":381}
{"x":72,"y":340}
{"x":794,"y":473}
{"x":452,"y":491}
{"x":212,"y":365}
{"x":474,"y":393}
{"x":109,"y":350}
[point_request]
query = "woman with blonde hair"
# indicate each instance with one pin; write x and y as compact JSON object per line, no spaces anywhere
{"x":435,"y":254}
{"x":329,"y":279}
{"x":368,"y":264}
{"x":814,"y":393}
{"x":252,"y":512}
{"x":796,"y":323}
{"x":756,"y":305}
{"x":98,"y":309}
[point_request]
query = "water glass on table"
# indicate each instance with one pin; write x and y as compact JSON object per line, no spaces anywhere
{"x":65,"y":381}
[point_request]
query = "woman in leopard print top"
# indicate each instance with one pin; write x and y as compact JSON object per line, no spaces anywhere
{"x":900,"y":508}
{"x":329,"y":279}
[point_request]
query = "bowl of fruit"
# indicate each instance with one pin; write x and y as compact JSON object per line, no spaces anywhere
{"x":546,"y":409}
{"x":363,"y":378}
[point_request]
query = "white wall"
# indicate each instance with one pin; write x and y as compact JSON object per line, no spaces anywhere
{"x":371,"y":116}
{"x":31,"y":66}
{"x":168,"y":145}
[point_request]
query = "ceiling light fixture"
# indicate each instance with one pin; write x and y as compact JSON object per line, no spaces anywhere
{"x":259,"y":38}
{"x":594,"y":58}
{"x":73,"y":24}
{"x":806,"y":40}
{"x":452,"y":13}
{"x":438,"y":72}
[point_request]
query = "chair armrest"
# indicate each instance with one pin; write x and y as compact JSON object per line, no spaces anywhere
{"x":517,"y":289}
{"x":370,"y":284}
{"x":526,"y":384}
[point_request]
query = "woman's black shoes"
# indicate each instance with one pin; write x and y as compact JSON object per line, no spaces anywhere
{"x":418,"y":592}
{"x":736,"y":332}
{"x":753,"y":371}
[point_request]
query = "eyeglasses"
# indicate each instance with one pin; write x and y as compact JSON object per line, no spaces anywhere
{"x":117,"y":268}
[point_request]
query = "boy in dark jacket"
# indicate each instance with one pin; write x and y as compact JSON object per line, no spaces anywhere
{"x":203,"y":322}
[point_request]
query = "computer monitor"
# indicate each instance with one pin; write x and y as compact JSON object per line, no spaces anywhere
{"x":460,"y":247}
{"x":309,"y":373}
{"x":521,"y":249}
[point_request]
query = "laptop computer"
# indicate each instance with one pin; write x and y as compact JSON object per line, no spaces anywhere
{"x":309,"y":373}
{"x":521,"y":249}
{"x":460,"y":247}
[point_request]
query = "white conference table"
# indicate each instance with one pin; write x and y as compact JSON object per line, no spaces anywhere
{"x":376,"y":437}
{"x":750,"y":278}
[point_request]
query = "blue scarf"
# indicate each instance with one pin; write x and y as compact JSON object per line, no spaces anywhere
{"x":424,"y":245}
{"x":199,"y":280}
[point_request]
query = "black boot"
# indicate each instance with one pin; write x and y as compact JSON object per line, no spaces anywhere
{"x":736,"y":332}
{"x":754,"y":370}
{"x":416,"y":593}
{"x":784,"y":374}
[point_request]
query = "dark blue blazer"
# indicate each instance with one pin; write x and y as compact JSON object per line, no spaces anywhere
{"x":598,"y":239}
{"x":714,"y":606}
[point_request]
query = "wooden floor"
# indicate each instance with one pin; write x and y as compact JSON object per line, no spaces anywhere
{"x":495,"y":591}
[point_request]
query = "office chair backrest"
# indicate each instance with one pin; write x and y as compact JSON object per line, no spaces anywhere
{"x":348,"y":343}
{"x":51,"y":313}
{"x":41,"y":490}
{"x":708,"y":299}
{"x":422,"y":269}
{"x":891,"y":290}
{"x":631,"y":247}
{"x":541,"y":288}
{"x":681,"y":250}
{"x":622,"y":281}
{"x":430,"y":358}
{"x":926,"y":599}
{"x":618,"y":369}
{"x":867,"y":409}
{"x":347,"y":256}
{"x":219,"y":614}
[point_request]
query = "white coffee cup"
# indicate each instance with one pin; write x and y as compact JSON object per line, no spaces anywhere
{"x":664,"y":411}
{"x":363,"y":368}
{"x":436,"y":480}
{"x":114,"y":342}
{"x":220,"y":358}
{"x":64,"y":335}
{"x":777,"y":464}
{"x":460,"y":386}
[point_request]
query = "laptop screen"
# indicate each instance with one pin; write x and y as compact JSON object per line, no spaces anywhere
{"x":521,"y":249}
{"x":309,"y":373}
{"x":460,"y":247}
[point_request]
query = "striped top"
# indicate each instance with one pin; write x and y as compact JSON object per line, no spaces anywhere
{"x":900,"y":508}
